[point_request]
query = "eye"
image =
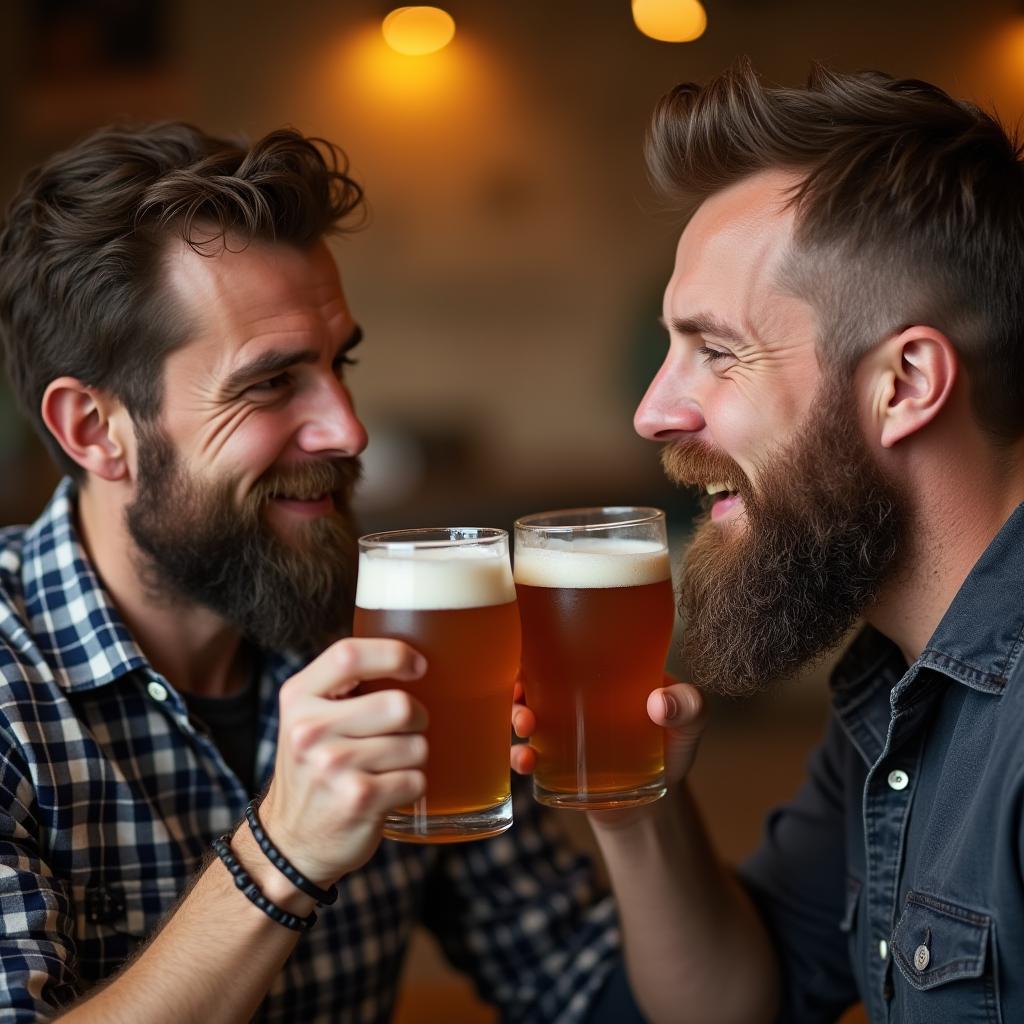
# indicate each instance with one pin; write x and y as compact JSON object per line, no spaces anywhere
{"x":342,"y":361}
{"x":275,"y":383}
{"x":713,"y":355}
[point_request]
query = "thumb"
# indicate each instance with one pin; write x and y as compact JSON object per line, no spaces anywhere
{"x":682,"y":711}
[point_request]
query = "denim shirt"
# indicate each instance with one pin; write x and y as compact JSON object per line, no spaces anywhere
{"x":896,"y":874}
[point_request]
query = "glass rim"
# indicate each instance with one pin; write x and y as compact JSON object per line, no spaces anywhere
{"x":433,"y":537}
{"x":642,"y":515}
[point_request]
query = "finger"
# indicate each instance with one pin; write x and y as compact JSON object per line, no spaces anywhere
{"x":374,"y":755}
{"x":345,"y":664}
{"x":524,"y":721}
{"x":679,"y":707}
{"x":379,"y":794}
{"x":380,"y":713}
{"x":518,"y":693}
{"x":524,"y":759}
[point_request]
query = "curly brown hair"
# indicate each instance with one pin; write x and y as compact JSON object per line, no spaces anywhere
{"x":910,"y":209}
{"x":82,"y":242}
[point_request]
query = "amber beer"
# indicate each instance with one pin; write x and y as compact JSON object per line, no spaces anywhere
{"x":597,"y":614}
{"x":449,"y":594}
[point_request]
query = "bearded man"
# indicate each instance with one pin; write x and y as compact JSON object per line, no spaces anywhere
{"x":845,"y":381}
{"x":174,"y":324}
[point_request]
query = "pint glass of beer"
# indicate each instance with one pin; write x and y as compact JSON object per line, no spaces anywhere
{"x":449,"y":594}
{"x":595,"y":598}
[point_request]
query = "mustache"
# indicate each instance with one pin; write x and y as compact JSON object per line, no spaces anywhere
{"x":692,"y":463}
{"x":326,"y":476}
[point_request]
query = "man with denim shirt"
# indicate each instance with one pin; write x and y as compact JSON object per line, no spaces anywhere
{"x":845,"y":384}
{"x":175,"y":327}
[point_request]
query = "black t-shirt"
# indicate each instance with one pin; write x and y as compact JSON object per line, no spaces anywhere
{"x":233,"y":725}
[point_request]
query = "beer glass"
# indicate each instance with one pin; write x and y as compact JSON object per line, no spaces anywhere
{"x":449,"y":594}
{"x":595,"y":599}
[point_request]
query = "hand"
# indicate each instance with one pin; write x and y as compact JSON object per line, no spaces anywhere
{"x":678,"y":707}
{"x":343,"y":760}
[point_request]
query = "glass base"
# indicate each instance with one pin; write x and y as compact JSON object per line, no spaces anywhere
{"x":420,"y":827}
{"x":601,"y":801}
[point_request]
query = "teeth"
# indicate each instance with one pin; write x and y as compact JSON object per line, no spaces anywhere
{"x":714,"y":489}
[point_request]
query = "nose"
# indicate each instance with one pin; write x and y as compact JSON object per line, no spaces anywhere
{"x":667,"y":412}
{"x":331,"y":426}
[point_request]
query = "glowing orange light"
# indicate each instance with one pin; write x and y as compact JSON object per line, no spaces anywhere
{"x":416,"y":31}
{"x":670,"y":21}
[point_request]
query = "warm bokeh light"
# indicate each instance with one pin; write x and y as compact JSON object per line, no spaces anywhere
{"x":376,"y":79}
{"x":670,"y":21}
{"x":415,"y":31}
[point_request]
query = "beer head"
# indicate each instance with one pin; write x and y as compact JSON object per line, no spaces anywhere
{"x":430,"y":578}
{"x":589,"y":562}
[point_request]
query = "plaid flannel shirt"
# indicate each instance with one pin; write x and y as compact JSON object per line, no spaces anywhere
{"x":109,"y":799}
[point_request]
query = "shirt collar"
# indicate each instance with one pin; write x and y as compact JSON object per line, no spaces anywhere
{"x":978,"y":641}
{"x":73,"y":621}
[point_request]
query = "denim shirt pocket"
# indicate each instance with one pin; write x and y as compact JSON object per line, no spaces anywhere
{"x":944,"y":953}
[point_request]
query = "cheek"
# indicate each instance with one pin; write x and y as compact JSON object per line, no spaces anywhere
{"x":748,"y":426}
{"x":246,"y":447}
{"x":258,"y":442}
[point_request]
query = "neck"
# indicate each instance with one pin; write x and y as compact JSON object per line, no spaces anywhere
{"x":189,"y":645}
{"x":953,"y":525}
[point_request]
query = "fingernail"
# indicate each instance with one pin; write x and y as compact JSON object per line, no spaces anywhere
{"x":671,"y":705}
{"x":420,"y":665}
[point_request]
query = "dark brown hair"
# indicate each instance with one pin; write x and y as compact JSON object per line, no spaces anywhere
{"x":82,"y":244}
{"x":910,"y":209}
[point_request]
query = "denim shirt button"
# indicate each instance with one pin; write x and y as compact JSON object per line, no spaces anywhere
{"x":883,"y":949}
{"x":921,"y":957}
{"x":898,"y":780}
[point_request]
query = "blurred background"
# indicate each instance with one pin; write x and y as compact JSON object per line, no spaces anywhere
{"x":510,"y":278}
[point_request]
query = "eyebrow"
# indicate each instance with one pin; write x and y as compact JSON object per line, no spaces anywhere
{"x":705,"y":323}
{"x":269,"y":364}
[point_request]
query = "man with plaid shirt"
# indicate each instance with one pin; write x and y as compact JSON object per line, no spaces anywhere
{"x":174,"y":325}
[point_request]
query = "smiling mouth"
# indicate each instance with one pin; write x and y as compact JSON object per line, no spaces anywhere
{"x":720,"y":498}
{"x":305,"y":502}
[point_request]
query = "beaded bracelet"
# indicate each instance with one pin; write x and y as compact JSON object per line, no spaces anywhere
{"x":323,"y":897}
{"x":252,"y":890}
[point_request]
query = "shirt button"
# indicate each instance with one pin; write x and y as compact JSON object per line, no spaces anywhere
{"x":883,"y":949}
{"x":898,"y":780}
{"x":921,"y":957}
{"x":157,"y":691}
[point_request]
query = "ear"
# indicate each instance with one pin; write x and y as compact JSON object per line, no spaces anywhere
{"x":911,"y":378}
{"x":86,"y":423}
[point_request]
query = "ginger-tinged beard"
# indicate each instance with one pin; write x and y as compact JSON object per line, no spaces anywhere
{"x":198,"y":546}
{"x":824,"y":530}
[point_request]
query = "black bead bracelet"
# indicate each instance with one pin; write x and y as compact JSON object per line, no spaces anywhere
{"x":323,"y":897}
{"x":244,"y":882}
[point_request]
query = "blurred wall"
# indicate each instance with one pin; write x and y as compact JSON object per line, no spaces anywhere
{"x":512,"y":271}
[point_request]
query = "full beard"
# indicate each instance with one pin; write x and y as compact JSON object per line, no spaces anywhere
{"x":824,"y":531}
{"x":197,"y":546}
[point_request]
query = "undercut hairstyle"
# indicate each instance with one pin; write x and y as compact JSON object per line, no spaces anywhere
{"x":909,"y":210}
{"x":83,"y":242}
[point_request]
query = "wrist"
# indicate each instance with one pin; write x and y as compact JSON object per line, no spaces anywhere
{"x":272,"y":883}
{"x":658,"y":815}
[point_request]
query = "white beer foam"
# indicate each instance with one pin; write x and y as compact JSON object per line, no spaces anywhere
{"x":458,"y":577}
{"x":593,"y":562}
